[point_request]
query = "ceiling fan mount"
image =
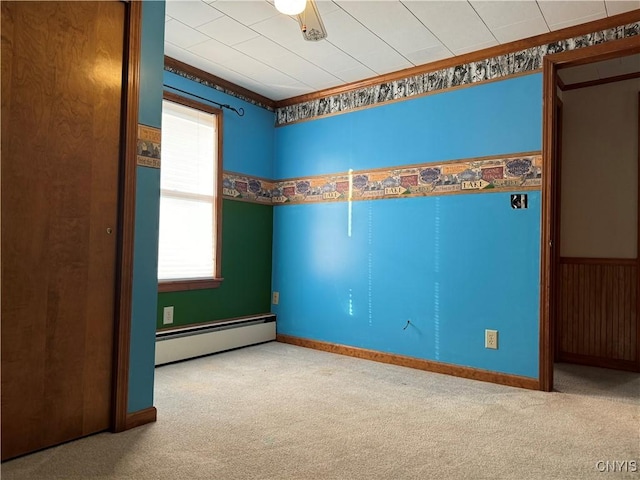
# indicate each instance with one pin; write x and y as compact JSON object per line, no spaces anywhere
{"x":311,"y":24}
{"x":308,"y":16}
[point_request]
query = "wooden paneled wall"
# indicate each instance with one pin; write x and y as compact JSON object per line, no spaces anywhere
{"x":597,"y":312}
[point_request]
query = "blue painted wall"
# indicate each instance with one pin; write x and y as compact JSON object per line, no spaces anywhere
{"x":145,"y":259}
{"x":248,"y":142}
{"x":488,"y":119}
{"x":452,"y":265}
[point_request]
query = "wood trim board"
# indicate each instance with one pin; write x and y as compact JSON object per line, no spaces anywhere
{"x":260,"y":100}
{"x":514,"y":46}
{"x":141,"y":417}
{"x":403,"y":99}
{"x":124,"y":288}
{"x":188,"y":284}
{"x":549,"y":242}
{"x":412,"y":362}
{"x":601,"y":81}
{"x":490,"y":69}
{"x":599,"y":362}
{"x":217,"y":211}
{"x":597,"y":261}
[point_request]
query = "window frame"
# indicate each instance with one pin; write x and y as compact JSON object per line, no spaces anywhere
{"x":184,"y":284}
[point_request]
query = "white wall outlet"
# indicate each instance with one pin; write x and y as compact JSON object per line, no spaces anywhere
{"x":491,"y":339}
{"x":276,"y":298}
{"x":167,"y":315}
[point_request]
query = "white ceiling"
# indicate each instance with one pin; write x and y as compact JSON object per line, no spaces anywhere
{"x":249,"y":43}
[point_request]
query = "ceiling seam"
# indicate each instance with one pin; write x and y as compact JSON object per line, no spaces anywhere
{"x":290,"y":51}
{"x":427,"y":28}
{"x":298,"y":111}
{"x":483,"y":22}
{"x":321,"y":68}
{"x":188,"y":49}
{"x":543,"y":17}
{"x":250,"y":27}
{"x":375,"y":35}
{"x":276,"y":45}
{"x":239,"y":51}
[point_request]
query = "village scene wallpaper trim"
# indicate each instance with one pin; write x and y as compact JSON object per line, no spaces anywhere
{"x":148,"y":146}
{"x":490,"y":69}
{"x":481,"y":175}
{"x":217,"y":87}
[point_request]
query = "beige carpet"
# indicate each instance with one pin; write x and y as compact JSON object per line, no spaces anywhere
{"x":276,"y":411}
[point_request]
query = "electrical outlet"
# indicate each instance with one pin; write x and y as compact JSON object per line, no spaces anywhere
{"x":276,"y":297}
{"x":167,"y":315}
{"x":491,"y":339}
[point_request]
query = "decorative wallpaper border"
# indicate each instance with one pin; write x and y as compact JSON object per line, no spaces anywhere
{"x":237,"y":186}
{"x":148,"y":146}
{"x":215,"y":86}
{"x":524,"y":61}
{"x":476,"y":175}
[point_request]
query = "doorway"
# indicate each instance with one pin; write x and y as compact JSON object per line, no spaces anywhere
{"x":589,"y":308}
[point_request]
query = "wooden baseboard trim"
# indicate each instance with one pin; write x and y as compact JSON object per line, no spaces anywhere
{"x":600,"y":362}
{"x":141,"y":417}
{"x":598,"y":261}
{"x":417,"y":363}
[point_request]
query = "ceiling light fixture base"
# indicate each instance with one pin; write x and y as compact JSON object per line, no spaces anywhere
{"x":311,"y":24}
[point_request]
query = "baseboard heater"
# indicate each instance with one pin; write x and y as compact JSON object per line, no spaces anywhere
{"x":195,"y":341}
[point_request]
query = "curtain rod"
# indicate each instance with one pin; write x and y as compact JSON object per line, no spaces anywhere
{"x":239,"y":111}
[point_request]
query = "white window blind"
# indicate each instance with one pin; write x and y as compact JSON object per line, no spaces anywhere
{"x":187,"y":193}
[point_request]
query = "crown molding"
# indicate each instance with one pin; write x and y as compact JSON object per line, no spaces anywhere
{"x":210,"y":80}
{"x":523,"y":44}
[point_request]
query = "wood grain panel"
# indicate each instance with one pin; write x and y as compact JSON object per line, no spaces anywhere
{"x":106,"y":88}
{"x":596,"y":311}
{"x":60,"y":168}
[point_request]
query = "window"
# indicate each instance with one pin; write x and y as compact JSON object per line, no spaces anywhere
{"x":190,"y":201}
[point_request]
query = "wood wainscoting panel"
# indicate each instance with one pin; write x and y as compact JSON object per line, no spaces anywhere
{"x":597,"y":312}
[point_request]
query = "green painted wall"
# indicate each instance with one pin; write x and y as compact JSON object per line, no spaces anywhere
{"x":247,"y":232}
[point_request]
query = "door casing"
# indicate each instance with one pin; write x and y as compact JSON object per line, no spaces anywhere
{"x":549,"y":243}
